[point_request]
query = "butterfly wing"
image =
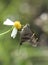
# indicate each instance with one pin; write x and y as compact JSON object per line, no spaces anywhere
{"x":25,"y":33}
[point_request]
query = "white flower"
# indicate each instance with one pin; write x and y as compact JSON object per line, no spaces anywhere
{"x":16,"y":25}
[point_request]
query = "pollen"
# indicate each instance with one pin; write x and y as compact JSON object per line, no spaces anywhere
{"x":17,"y":24}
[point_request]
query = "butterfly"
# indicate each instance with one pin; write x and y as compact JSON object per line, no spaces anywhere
{"x":27,"y":35}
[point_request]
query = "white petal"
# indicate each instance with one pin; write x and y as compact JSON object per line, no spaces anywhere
{"x":8,"y":22}
{"x":14,"y":33}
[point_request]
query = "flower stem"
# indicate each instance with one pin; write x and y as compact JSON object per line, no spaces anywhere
{"x":6,"y":32}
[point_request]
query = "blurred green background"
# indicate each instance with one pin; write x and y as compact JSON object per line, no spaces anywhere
{"x":11,"y":53}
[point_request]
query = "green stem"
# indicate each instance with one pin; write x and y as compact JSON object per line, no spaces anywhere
{"x":6,"y":32}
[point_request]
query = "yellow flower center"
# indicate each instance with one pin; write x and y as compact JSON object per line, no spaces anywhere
{"x":17,"y":24}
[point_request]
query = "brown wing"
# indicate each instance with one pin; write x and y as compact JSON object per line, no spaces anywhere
{"x":34,"y":40}
{"x":25,"y":33}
